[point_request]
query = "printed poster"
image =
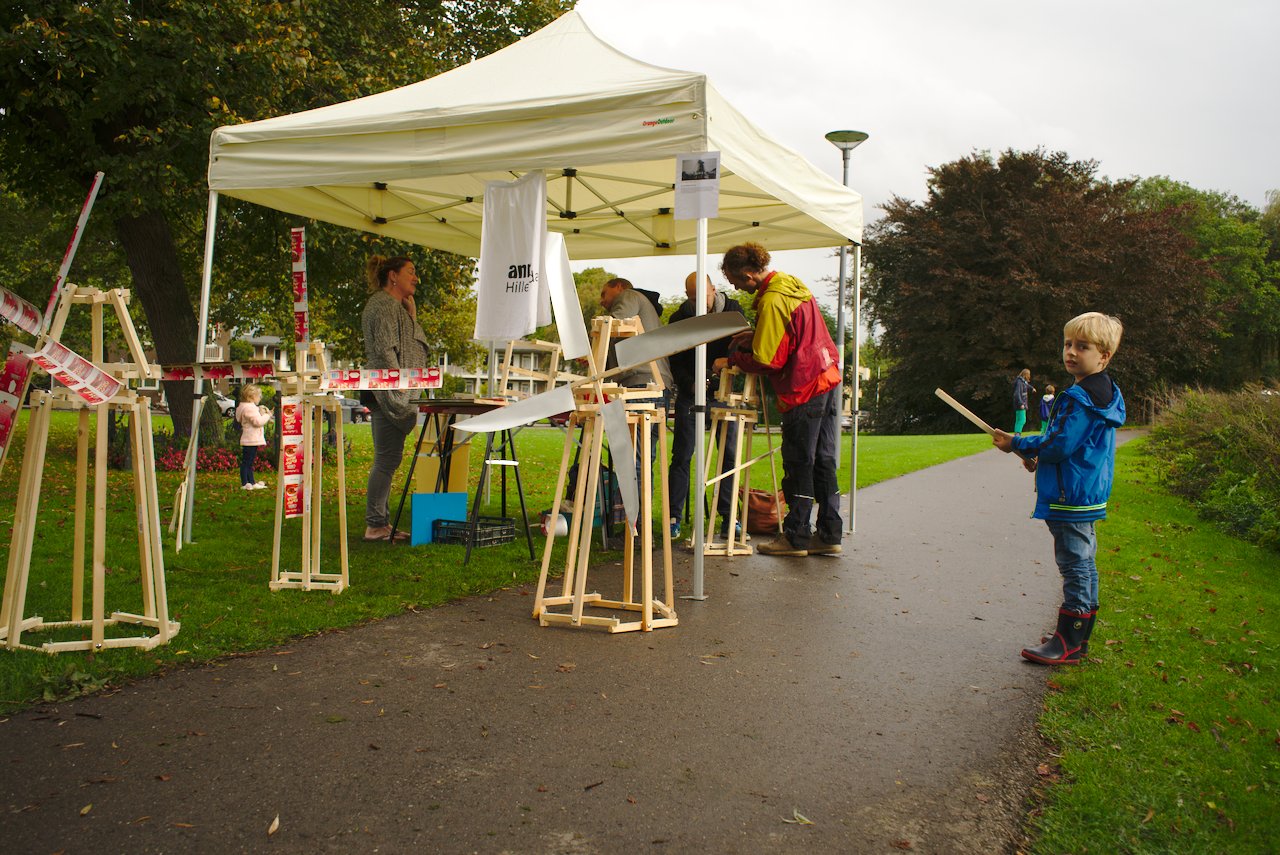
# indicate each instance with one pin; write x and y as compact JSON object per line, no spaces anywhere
{"x":19,"y":312}
{"x":13,"y":380}
{"x":292,"y":454}
{"x":78,"y":374}
{"x":697,"y":185}
{"x":382,"y":378}
{"x":298,"y":273}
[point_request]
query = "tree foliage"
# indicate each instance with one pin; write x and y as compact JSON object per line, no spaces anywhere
{"x":974,"y":284}
{"x":1244,"y":288}
{"x":135,"y":88}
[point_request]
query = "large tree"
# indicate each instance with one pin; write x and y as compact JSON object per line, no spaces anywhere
{"x":135,"y":88}
{"x":1244,"y":288}
{"x":974,"y":283}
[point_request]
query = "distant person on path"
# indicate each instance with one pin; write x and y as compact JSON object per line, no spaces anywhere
{"x":1022,"y":389}
{"x":393,"y":338}
{"x":792,"y":347}
{"x":252,"y":417}
{"x":1074,"y":461}
{"x":682,"y":370}
{"x":1046,"y":406}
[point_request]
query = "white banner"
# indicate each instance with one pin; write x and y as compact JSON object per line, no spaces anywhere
{"x":513,"y":299}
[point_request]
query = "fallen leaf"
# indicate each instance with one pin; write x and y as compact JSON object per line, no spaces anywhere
{"x":274,"y":827}
{"x":182,"y":825}
{"x":902,"y":844}
{"x":797,"y":818}
{"x":566,"y":667}
{"x":163,"y":777}
{"x":1151,"y":812}
{"x":84,"y":810}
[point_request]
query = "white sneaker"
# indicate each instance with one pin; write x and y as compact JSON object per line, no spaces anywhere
{"x":260,"y":485}
{"x":247,"y":487}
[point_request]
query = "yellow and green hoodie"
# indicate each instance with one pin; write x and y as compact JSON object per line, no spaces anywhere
{"x":791,"y":345}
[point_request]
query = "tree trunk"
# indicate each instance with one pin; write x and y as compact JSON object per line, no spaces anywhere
{"x":157,"y":282}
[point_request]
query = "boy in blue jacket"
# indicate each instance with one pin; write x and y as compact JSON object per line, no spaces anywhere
{"x":1074,"y":461}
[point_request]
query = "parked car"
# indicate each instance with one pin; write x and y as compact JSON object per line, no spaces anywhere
{"x":226,"y":406}
{"x":353,"y":411}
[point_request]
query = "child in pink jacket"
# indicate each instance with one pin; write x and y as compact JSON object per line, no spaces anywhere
{"x":252,"y":417}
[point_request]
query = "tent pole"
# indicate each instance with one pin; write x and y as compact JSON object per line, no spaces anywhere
{"x":206,"y":279}
{"x":699,"y":419}
{"x":853,"y":441}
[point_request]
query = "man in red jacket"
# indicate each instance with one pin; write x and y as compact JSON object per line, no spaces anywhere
{"x":791,"y":346}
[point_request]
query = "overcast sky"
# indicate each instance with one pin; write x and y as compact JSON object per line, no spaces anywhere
{"x":1178,"y":88}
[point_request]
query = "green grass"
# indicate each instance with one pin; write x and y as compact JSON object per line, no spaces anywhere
{"x":218,"y":586}
{"x":1170,"y":734}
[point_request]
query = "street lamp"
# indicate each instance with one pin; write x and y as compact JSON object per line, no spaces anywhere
{"x":847,"y":141}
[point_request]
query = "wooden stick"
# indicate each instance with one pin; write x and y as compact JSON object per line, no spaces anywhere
{"x":82,"y":488}
{"x":965,"y":411}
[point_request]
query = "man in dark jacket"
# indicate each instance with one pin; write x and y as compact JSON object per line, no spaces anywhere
{"x":682,"y":370}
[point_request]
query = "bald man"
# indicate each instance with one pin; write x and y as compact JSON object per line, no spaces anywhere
{"x":682,"y":370}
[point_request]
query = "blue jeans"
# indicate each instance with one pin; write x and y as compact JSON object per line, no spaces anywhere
{"x":809,"y":437}
{"x":682,"y":448}
{"x":1075,"y":544}
{"x":248,"y":454}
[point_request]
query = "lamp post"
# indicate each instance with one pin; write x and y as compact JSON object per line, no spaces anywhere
{"x":847,"y":141}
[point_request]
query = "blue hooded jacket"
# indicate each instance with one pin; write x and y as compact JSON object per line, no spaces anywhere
{"x":1077,"y":453}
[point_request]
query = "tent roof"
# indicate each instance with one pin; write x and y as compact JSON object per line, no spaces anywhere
{"x":411,"y":163}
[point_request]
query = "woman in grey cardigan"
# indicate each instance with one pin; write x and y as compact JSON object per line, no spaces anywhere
{"x":393,"y":338}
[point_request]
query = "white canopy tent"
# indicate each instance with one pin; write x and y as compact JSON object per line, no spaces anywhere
{"x":411,"y":163}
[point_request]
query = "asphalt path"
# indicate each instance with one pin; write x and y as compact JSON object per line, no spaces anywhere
{"x":871,"y":702}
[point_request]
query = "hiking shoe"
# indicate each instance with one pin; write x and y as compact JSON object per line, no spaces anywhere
{"x":675,"y":528}
{"x":817,"y":547}
{"x":781,"y":545}
{"x":737,"y":530}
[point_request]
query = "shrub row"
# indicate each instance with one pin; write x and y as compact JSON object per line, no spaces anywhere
{"x":1222,"y":452}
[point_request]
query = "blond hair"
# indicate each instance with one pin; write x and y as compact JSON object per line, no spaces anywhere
{"x":1102,"y":331}
{"x":250,"y":392}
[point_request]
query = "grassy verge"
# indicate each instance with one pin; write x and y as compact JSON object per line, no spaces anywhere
{"x":1170,"y":735}
{"x":218,"y":585}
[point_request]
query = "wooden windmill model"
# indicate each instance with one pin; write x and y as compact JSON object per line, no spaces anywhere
{"x":87,"y":386}
{"x":606,"y":409}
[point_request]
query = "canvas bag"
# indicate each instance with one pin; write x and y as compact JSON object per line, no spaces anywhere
{"x":764,"y":511}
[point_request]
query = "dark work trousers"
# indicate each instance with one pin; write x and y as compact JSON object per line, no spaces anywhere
{"x":682,"y":448}
{"x":809,"y":438}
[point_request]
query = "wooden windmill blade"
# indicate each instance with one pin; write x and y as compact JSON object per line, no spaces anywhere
{"x":677,"y":337}
{"x":522,"y":412}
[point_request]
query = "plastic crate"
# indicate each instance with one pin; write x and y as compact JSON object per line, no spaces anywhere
{"x":490,"y":531}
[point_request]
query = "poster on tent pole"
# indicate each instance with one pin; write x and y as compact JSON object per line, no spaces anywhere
{"x":292,"y":454}
{"x":298,"y":272}
{"x":697,"y":185}
{"x":513,"y":297}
